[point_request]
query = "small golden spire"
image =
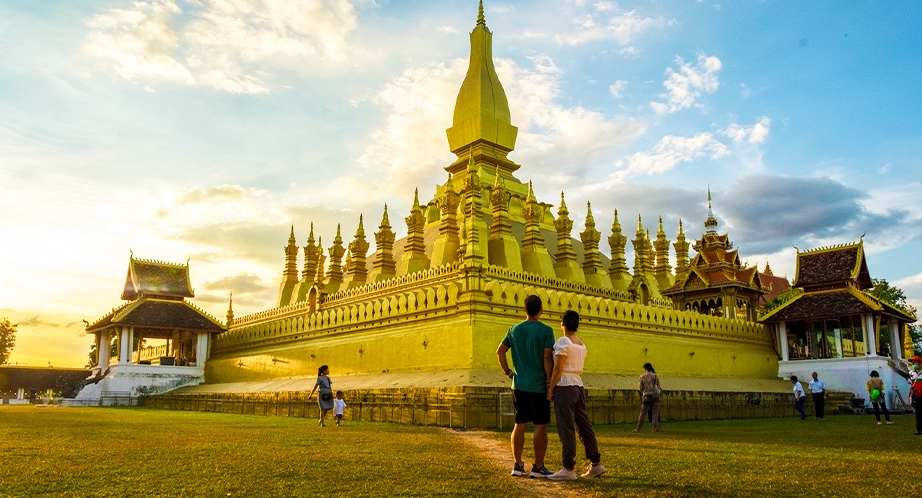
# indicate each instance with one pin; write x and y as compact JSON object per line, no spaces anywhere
{"x":481,"y":21}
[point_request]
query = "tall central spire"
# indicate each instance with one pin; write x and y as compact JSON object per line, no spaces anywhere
{"x":482,"y":126}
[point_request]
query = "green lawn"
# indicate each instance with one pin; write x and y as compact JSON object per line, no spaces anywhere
{"x":133,"y":452}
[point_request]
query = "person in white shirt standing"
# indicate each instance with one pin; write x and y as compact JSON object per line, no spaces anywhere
{"x":799,"y":397}
{"x":566,"y":391}
{"x":818,"y":392}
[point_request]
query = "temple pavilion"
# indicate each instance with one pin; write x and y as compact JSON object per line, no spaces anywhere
{"x":156,"y":308}
{"x":834,"y":327}
{"x":427,"y":309}
{"x":715,"y":281}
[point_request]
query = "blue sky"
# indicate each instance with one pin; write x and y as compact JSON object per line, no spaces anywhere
{"x":203,"y":129}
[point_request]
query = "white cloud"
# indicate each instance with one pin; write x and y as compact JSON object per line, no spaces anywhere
{"x":139,"y":43}
{"x":617,"y":89}
{"x":669,"y":153}
{"x":688,"y":83}
{"x":621,"y":28}
{"x":753,"y":135}
{"x":230,"y":45}
{"x":419,"y":105}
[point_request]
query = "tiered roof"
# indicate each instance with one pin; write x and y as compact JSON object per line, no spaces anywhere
{"x":833,"y":266}
{"x":156,"y":292}
{"x":833,"y":279}
{"x":157,"y":279}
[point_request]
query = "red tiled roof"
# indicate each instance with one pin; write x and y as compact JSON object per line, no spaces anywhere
{"x":835,"y":265}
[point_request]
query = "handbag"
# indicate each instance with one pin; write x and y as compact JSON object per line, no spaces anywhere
{"x":647,"y":399}
{"x":326,"y":396}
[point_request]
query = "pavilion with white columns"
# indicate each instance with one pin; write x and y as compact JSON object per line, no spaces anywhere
{"x":837,"y":329}
{"x":156,"y":308}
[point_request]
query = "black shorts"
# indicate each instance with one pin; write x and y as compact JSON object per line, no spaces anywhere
{"x":531,"y":407}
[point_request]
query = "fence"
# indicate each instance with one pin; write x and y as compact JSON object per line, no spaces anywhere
{"x":478,"y":407}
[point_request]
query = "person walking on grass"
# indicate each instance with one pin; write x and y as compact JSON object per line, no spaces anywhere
{"x":531,"y":343}
{"x":325,"y":396}
{"x":875,"y":388}
{"x":338,"y":405}
{"x":818,"y":392}
{"x":650,"y":392}
{"x":799,"y":397}
{"x":915,"y":390}
{"x":569,"y":397}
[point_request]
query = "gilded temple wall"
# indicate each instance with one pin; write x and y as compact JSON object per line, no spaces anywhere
{"x":427,"y":322}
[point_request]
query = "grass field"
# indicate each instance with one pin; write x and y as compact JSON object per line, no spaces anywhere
{"x":139,"y":452}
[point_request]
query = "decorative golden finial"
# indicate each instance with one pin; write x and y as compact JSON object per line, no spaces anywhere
{"x":384,"y":219}
{"x":660,"y":229}
{"x":590,"y":221}
{"x":680,"y":226}
{"x":531,"y":192}
{"x":639,"y":224}
{"x":416,"y":199}
{"x":481,"y":21}
{"x":563,"y":203}
{"x":360,"y":232}
{"x":338,"y":239}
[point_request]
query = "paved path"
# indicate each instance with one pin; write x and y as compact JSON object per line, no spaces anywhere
{"x":498,"y":453}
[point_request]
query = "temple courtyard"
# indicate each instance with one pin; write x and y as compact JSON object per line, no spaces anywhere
{"x":64,"y":451}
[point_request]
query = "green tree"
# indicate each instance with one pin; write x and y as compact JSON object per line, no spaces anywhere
{"x":7,"y":339}
{"x":894,"y":296}
{"x":785,"y":296}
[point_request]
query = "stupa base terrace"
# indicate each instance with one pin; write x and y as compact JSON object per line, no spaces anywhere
{"x":430,"y":338}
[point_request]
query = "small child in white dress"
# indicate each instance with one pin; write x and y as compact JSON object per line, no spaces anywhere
{"x":338,"y":405}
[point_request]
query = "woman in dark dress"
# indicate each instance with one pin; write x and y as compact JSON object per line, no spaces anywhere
{"x":325,"y":396}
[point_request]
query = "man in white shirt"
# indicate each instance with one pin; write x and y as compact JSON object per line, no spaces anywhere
{"x":818,"y":392}
{"x":799,"y":397}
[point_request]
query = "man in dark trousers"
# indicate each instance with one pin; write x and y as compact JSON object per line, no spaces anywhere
{"x":532,"y":346}
{"x":818,"y":392}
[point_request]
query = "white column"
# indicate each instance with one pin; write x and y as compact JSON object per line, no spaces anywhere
{"x":21,"y":393}
{"x":102,"y":350}
{"x":124,"y":346}
{"x":783,"y":341}
{"x":201,"y":349}
{"x":896,"y":346}
{"x":871,"y":339}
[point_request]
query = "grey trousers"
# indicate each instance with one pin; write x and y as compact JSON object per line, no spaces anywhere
{"x":570,"y":408}
{"x":653,"y":409}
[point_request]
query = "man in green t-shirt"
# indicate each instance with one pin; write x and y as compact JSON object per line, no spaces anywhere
{"x":532,"y":346}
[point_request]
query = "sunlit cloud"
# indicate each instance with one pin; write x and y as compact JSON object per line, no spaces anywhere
{"x":620,"y":28}
{"x":668,"y":153}
{"x":685,"y":85}
{"x":232,"y":46}
{"x":139,"y":43}
{"x":753,"y":135}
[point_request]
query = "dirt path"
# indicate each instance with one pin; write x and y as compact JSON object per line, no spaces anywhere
{"x":497,"y":452}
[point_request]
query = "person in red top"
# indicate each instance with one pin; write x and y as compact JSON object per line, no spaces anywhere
{"x":915,"y":390}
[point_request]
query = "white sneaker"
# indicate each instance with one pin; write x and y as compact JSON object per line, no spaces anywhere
{"x":595,"y":470}
{"x":563,"y":475}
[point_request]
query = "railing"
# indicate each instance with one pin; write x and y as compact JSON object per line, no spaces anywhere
{"x":480,"y":408}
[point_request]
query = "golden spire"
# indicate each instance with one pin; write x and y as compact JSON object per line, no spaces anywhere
{"x":230,"y":310}
{"x":481,"y":115}
{"x":711,"y":223}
